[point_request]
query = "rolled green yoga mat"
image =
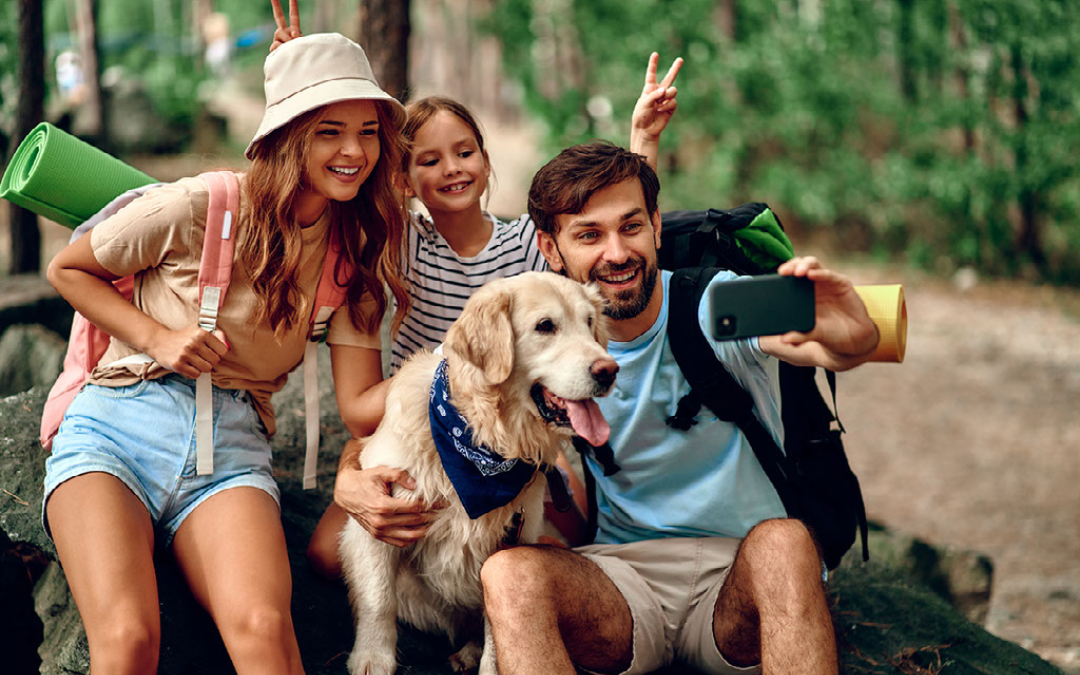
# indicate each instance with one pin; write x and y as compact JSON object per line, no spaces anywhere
{"x":65,"y":179}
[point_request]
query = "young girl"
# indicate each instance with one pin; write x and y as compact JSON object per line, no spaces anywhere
{"x":122,"y":475}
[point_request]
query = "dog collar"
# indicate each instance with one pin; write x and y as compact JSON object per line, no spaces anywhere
{"x":482,"y":478}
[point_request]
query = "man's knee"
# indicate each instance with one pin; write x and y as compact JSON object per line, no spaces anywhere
{"x":520,"y":574}
{"x":783,"y":546}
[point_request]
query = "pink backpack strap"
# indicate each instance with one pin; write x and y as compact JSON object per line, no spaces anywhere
{"x":328,"y":297}
{"x":215,"y":270}
{"x":215,"y":273}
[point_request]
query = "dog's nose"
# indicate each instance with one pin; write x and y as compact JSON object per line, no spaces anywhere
{"x":604,"y":370}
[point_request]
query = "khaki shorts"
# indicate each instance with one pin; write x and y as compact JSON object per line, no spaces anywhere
{"x":671,"y":586}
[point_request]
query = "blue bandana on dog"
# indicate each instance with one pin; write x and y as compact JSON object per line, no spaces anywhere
{"x":484,"y":481}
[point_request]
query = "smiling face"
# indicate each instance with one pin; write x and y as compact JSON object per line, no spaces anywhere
{"x":613,"y":243}
{"x":448,"y":171}
{"x":343,"y":152}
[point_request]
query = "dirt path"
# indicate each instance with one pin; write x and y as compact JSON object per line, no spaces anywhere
{"x":974,"y":442}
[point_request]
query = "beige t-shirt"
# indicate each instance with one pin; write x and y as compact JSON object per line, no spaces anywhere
{"x":159,"y":239}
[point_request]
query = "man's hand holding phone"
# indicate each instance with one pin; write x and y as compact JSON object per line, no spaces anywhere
{"x":768,"y":304}
{"x":841,"y":334}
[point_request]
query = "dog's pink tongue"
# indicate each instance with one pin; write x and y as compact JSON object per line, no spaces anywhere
{"x":588,"y":422}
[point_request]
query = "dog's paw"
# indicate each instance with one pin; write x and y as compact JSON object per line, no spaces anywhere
{"x":467,"y":659}
{"x":368,"y":663}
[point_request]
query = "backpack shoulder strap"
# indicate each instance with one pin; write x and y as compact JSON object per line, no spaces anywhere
{"x":710,"y":382}
{"x":215,"y":268}
{"x":329,"y":295}
{"x":215,"y":274}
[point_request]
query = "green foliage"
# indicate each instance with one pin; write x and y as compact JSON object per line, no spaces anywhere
{"x":148,"y":43}
{"x":9,"y":63}
{"x":939,"y":132}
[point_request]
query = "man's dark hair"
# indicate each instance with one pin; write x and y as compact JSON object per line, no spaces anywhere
{"x":566,"y":183}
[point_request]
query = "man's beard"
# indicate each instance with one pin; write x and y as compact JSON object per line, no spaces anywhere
{"x":631,"y":302}
{"x":623,"y":304}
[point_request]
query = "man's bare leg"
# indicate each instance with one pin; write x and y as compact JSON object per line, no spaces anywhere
{"x":772,"y":608}
{"x":551,"y":609}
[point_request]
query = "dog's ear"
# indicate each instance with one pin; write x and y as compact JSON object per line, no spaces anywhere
{"x":483,"y":334}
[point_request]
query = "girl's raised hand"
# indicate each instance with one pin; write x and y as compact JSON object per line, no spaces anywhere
{"x":656,"y":105}
{"x":286,"y":30}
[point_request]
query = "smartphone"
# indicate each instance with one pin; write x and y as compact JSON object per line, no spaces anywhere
{"x":767,"y":304}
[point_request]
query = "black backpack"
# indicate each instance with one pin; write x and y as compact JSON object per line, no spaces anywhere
{"x":811,"y":475}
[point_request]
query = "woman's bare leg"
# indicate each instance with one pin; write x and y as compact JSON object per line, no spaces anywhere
{"x":105,"y":542}
{"x":232,"y":551}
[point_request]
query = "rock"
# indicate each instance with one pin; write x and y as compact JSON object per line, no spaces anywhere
{"x":886,"y":625}
{"x":886,"y":621}
{"x":29,"y":299}
{"x":962,"y":578}
{"x":30,"y":355}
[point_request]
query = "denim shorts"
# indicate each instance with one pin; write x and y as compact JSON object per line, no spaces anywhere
{"x":144,"y":434}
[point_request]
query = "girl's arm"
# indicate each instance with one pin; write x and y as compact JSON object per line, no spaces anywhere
{"x":82,"y":281}
{"x":364,"y":494}
{"x":359,"y":387}
{"x":653,"y":110}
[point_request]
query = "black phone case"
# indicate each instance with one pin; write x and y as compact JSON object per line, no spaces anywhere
{"x":767,"y":304}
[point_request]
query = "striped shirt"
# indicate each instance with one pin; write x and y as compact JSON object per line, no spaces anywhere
{"x":441,"y":280}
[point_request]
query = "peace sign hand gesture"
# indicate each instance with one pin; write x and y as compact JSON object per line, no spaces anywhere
{"x":286,"y":30}
{"x":657,"y":103}
{"x":653,"y":109}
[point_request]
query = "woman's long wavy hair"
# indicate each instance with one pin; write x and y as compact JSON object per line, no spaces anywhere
{"x":270,"y":243}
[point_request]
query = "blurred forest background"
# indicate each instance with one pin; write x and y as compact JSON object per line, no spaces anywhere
{"x":939,"y":133}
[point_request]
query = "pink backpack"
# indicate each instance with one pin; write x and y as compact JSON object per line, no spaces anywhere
{"x":88,"y":343}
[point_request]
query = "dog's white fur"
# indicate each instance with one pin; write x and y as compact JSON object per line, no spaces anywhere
{"x":496,"y":351}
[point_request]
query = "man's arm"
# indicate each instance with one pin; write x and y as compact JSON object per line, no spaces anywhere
{"x":843,"y":337}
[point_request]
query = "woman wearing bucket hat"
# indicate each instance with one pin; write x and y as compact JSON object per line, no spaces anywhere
{"x":122,"y":475}
{"x":450,"y":254}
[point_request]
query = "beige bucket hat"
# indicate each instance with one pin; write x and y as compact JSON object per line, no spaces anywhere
{"x":313,"y":71}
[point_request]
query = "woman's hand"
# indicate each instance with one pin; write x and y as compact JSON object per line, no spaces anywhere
{"x":189,"y":351}
{"x":286,"y":30}
{"x":365,"y":495}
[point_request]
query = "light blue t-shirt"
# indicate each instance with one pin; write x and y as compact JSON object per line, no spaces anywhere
{"x":702,"y":482}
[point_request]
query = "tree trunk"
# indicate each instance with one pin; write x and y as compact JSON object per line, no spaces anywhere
{"x":93,"y":113}
{"x":1028,"y":197}
{"x":905,"y":36}
{"x":960,"y":45}
{"x":201,"y":10}
{"x":29,"y":111}
{"x":384,"y":34}
{"x":727,"y":20}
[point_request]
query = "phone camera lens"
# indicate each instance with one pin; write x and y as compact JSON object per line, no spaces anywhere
{"x":725,"y":325}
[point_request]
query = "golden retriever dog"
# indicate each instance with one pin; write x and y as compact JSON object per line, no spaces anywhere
{"x":522,"y":365}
